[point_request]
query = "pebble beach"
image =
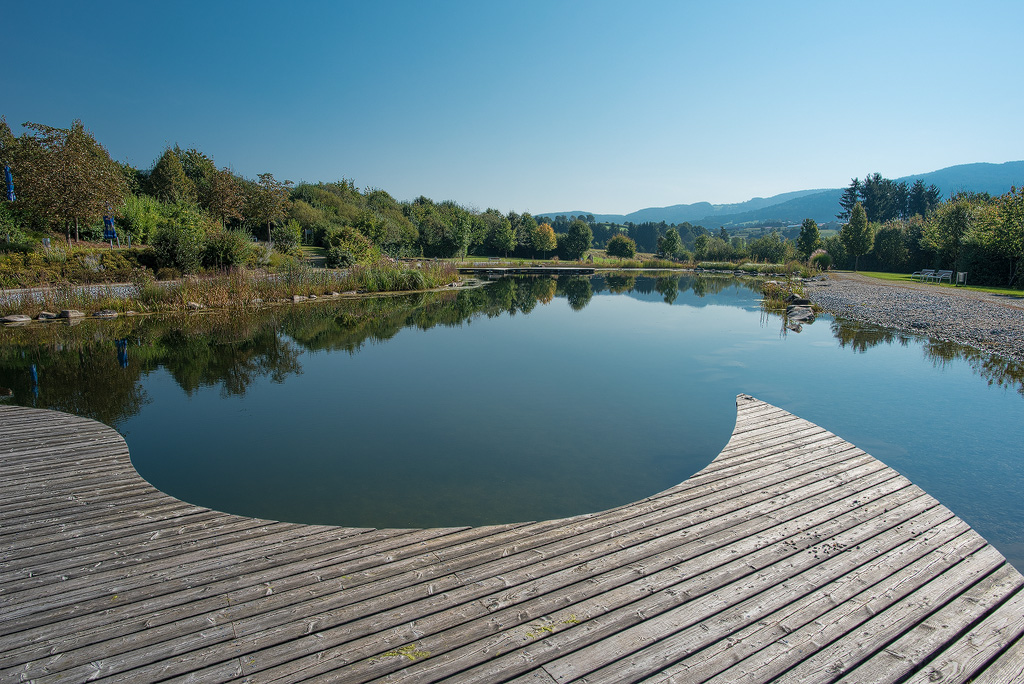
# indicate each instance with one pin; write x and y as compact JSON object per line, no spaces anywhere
{"x":989,"y":322}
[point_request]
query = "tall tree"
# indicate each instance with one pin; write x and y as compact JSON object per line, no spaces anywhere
{"x":878,"y":197}
{"x":64,"y":176}
{"x":544,"y":239}
{"x":856,"y":235}
{"x":577,"y":241}
{"x":851,"y":195}
{"x":670,"y":244}
{"x":168,"y":181}
{"x":948,"y":226}
{"x":267,"y":201}
{"x":809,"y":239}
{"x":502,"y":236}
{"x":222,"y":196}
{"x":922,"y":200}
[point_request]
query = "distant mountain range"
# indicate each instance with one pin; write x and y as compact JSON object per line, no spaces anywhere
{"x":820,"y":205}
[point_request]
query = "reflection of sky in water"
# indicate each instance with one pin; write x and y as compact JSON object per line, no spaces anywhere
{"x":558,"y":412}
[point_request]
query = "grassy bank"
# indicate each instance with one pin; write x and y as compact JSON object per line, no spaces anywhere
{"x":237,"y":289}
{"x":906,"y":278}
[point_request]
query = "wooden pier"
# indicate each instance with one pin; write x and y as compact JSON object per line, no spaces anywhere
{"x":794,"y":556}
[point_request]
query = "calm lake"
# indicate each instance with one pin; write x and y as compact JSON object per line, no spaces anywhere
{"x":523,"y":400}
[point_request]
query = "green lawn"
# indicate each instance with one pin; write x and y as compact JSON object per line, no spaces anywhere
{"x":905,"y":277}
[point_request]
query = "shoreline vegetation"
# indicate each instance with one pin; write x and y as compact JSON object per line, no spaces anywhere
{"x":209,"y":346}
{"x":186,"y":216}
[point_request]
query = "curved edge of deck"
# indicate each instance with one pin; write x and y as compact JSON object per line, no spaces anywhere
{"x":794,"y":555}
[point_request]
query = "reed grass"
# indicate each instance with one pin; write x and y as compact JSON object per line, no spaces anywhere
{"x":232,"y":290}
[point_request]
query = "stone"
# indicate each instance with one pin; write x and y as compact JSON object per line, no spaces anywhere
{"x":71,"y":313}
{"x":105,"y":313}
{"x":298,"y":298}
{"x":194,"y":306}
{"x":16,"y":318}
{"x":312,"y":296}
{"x":800,"y":314}
{"x":46,"y":316}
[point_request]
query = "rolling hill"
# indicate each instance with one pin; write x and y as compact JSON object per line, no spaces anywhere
{"x":821,"y":205}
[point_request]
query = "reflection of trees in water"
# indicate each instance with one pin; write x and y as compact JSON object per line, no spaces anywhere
{"x":671,"y":284}
{"x":576,"y":290}
{"x":94,"y":369}
{"x":668,"y":288}
{"x":862,"y":336}
{"x":619,"y":283}
{"x":995,"y":370}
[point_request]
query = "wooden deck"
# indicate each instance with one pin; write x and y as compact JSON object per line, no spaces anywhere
{"x":793,"y":556}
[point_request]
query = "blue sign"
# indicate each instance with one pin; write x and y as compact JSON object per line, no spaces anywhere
{"x":10,"y":183}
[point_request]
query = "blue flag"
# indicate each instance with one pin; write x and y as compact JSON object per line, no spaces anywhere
{"x":10,"y":183}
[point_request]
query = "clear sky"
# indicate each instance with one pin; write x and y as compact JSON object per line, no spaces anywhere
{"x":603,"y":106}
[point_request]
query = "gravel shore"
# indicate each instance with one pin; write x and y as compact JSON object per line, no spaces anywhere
{"x":992,"y":323}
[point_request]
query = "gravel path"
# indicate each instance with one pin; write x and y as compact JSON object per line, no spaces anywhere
{"x":993,"y":323}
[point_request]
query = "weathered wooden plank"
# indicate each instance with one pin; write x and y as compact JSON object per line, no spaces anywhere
{"x":857,"y":630}
{"x":934,"y":633}
{"x":1007,"y":669}
{"x":322,"y":620}
{"x":721,"y":576}
{"x":676,"y":568}
{"x":914,"y":560}
{"x":964,"y":659}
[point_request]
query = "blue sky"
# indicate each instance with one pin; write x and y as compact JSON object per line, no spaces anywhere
{"x":601,"y":106}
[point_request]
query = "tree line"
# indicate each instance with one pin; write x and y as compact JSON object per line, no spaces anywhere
{"x":195,"y":215}
{"x":896,"y":229}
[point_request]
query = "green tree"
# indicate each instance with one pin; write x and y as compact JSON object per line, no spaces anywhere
{"x":544,"y":239}
{"x":700,"y":246}
{"x":890,"y":246}
{"x":501,"y":236}
{"x":810,"y":238}
{"x":922,"y":200}
{"x":267,"y":201}
{"x":1000,"y":231}
{"x":168,"y":181}
{"x":622,"y":247}
{"x":64,"y":176}
{"x":948,"y":226}
{"x":577,"y":241}
{"x":770,"y":248}
{"x":856,"y":235}
{"x":670,"y":244}
{"x":851,"y":195}
{"x":833,"y":244}
{"x":222,"y":196}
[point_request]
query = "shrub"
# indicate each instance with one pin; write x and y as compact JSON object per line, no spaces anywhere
{"x":287,"y":237}
{"x":339,"y":257}
{"x":621,"y":246}
{"x":12,"y":237}
{"x":821,"y":260}
{"x":226,"y":248}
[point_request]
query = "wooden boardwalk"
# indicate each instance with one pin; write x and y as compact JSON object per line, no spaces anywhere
{"x":794,"y":556}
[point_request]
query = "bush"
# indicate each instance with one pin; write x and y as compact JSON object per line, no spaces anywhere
{"x":226,"y":248}
{"x":339,"y":257}
{"x":621,"y":246}
{"x":287,"y":238}
{"x":12,"y":237}
{"x":821,"y":260}
{"x":180,"y":246}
